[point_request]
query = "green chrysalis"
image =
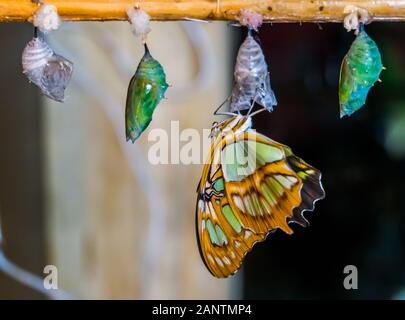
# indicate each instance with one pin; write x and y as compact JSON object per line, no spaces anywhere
{"x":146,"y":89}
{"x":361,"y":68}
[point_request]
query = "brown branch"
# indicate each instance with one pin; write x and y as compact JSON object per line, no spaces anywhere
{"x":272,"y":10}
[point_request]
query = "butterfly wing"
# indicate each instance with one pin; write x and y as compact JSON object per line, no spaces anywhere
{"x":223,"y":241}
{"x":272,"y":189}
{"x":257,"y":187}
{"x":311,"y":190}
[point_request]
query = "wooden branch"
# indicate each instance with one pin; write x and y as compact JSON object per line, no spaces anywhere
{"x":272,"y":10}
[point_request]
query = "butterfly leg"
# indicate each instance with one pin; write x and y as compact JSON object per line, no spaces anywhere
{"x":220,"y":106}
{"x":216,"y":113}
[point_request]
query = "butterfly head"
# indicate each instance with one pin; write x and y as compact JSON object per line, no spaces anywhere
{"x":234,"y":125}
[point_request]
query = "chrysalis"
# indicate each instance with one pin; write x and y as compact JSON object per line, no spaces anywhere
{"x":251,"y":78}
{"x":146,"y":89}
{"x":361,"y":68}
{"x":46,"y":69}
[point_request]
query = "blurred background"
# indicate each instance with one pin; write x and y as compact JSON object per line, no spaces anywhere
{"x":75,"y":195}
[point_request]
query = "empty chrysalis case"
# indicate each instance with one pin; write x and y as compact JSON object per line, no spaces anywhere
{"x":146,"y":88}
{"x":251,"y":78}
{"x":46,"y":69}
{"x":361,"y":68}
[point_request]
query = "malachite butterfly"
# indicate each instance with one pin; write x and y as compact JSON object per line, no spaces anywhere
{"x":239,"y":204}
{"x":361,"y":68}
{"x":146,"y":89}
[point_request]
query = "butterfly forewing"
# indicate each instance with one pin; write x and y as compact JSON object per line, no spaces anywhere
{"x":223,"y":241}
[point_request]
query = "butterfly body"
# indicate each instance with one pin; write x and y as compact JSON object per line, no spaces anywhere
{"x":250,"y":186}
{"x":252,"y":79}
{"x":145,"y":91}
{"x":361,"y":68}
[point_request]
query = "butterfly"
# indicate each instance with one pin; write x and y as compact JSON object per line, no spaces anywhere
{"x":250,"y":186}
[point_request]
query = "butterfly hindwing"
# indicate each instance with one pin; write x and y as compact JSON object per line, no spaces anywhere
{"x":264,"y":190}
{"x":311,"y":190}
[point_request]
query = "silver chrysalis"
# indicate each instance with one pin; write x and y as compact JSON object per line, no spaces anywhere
{"x":46,"y":69}
{"x":251,"y":78}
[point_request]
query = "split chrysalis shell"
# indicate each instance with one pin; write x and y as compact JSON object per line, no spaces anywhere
{"x":46,"y":69}
{"x":361,"y":68}
{"x":146,"y":88}
{"x":251,"y":78}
